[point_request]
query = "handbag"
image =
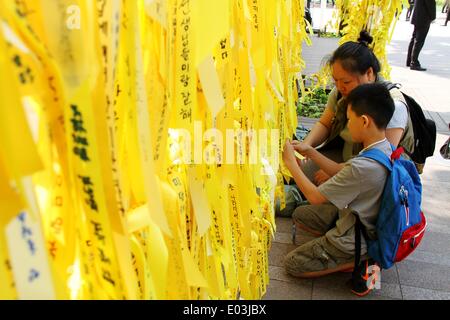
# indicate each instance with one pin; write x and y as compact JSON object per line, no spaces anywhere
{"x":445,"y":149}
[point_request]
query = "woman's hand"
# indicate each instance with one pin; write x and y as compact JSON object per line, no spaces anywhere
{"x":288,"y":155}
{"x":320,"y":177}
{"x":301,"y":147}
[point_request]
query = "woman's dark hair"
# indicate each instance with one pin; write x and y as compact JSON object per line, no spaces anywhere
{"x":356,"y":57}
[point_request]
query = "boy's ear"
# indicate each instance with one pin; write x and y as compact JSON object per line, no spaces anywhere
{"x":366,"y":120}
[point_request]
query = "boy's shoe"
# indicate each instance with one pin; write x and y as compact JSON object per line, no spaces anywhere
{"x":365,"y":277}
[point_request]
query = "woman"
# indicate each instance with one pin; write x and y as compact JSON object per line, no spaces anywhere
{"x":353,"y":64}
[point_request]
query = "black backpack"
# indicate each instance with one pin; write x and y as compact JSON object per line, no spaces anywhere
{"x":424,"y":130}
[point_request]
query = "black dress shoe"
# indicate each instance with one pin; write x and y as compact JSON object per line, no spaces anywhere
{"x":417,"y":68}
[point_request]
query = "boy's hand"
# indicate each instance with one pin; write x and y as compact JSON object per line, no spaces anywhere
{"x":288,"y":154}
{"x":301,"y":147}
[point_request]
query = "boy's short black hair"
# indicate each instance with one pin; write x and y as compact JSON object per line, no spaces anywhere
{"x":374,"y":100}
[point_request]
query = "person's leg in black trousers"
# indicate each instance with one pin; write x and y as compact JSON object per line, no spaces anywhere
{"x":410,"y":9}
{"x":448,"y":17}
{"x":415,"y":46}
{"x":410,"y":47}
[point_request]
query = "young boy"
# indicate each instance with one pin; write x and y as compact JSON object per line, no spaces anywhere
{"x":356,"y":189}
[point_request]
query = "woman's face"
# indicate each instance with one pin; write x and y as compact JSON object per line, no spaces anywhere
{"x":346,"y":81}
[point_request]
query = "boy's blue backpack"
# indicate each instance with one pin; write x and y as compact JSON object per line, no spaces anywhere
{"x":401,"y":223}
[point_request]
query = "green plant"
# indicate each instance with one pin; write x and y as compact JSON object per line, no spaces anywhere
{"x":325,"y":34}
{"x":313,"y":103}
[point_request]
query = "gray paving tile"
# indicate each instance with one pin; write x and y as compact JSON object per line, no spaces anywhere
{"x":438,"y":161}
{"x":435,"y":208}
{"x":390,"y":276}
{"x":436,"y":190}
{"x":282,"y":290}
{"x":339,"y":278}
{"x":286,"y":238}
{"x":389,"y":282}
{"x":437,"y":201}
{"x":435,"y":242}
{"x":345,"y":294}
{"x":437,"y":220}
{"x":315,"y":54}
{"x":437,"y":174}
{"x":436,"y":167}
{"x":323,"y":293}
{"x":284,"y":225}
{"x":414,"y":293}
{"x":279,"y":273}
{"x":388,"y":290}
{"x":278,"y":252}
{"x":424,"y":275}
{"x":438,"y":227}
{"x":282,"y":237}
{"x":429,"y":257}
{"x":429,"y":187}
{"x":389,"y":286}
{"x":439,"y":164}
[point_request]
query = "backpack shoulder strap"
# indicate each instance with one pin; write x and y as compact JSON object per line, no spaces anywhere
{"x":378,"y":156}
{"x":391,"y":85}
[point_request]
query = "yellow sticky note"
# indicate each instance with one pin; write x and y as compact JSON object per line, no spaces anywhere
{"x":151,"y":180}
{"x":138,"y":219}
{"x":298,"y":155}
{"x":7,"y":289}
{"x":193,"y":274}
{"x":246,"y":11}
{"x":19,"y":160}
{"x":159,"y":256}
{"x":128,"y":275}
{"x":10,"y":202}
{"x":211,"y":85}
{"x":199,"y":201}
{"x":29,"y":261}
{"x":213,"y":22}
{"x":157,"y":10}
